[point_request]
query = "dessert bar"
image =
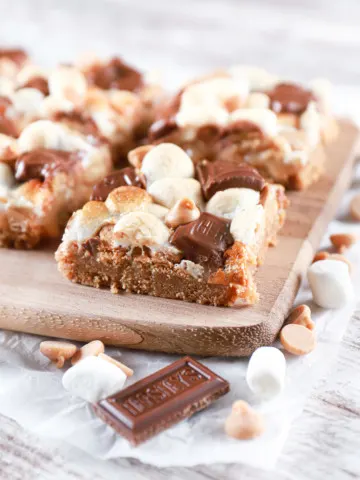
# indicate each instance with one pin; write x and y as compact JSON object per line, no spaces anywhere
{"x":244,"y":116}
{"x":46,"y":174}
{"x":156,"y":229}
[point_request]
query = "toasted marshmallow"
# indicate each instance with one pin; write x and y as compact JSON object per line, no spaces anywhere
{"x":166,"y":161}
{"x":41,"y":134}
{"x":127,"y":199}
{"x":265,"y":119}
{"x":168,"y":191}
{"x":140,"y":229}
{"x":258,"y":100}
{"x":256,"y":77}
{"x":26,"y":101}
{"x":68,"y":82}
{"x":330,"y":283}
{"x":157,"y":210}
{"x":29,"y":72}
{"x":310,"y":122}
{"x":228,"y":202}
{"x":245,"y":223}
{"x":86,"y":223}
{"x":184,"y":211}
{"x":93,"y":379}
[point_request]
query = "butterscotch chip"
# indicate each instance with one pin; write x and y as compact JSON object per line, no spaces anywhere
{"x":128,"y":371}
{"x":355,"y":208}
{"x":301,"y":315}
{"x":297,"y":339}
{"x":244,"y":422}
{"x":342,"y":241}
{"x":322,"y":255}
{"x":58,"y":352}
{"x":93,"y":348}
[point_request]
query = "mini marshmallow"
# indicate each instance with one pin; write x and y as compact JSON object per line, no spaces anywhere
{"x":245,"y":223}
{"x":227,"y":202}
{"x":140,"y":229}
{"x":166,"y":161}
{"x":68,"y":82}
{"x":258,"y":100}
{"x":27,"y":101}
{"x":264,"y":118}
{"x":310,"y":122}
{"x":6,"y":87}
{"x":266,"y":371}
{"x":93,"y":379}
{"x":6,"y":176}
{"x":257,"y":78}
{"x":330,"y":283}
{"x":167,"y":191}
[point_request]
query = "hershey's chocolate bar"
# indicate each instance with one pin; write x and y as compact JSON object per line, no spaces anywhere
{"x":161,"y":400}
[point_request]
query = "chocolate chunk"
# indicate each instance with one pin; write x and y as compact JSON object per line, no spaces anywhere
{"x":17,"y":55}
{"x":121,"y":178}
{"x":221,"y":175}
{"x":161,"y":400}
{"x":39,"y":83}
{"x":8,"y":126}
{"x":204,"y":241}
{"x":290,"y":98}
{"x":43,"y":163}
{"x":115,"y":74}
{"x":79,"y":121}
{"x":161,"y":128}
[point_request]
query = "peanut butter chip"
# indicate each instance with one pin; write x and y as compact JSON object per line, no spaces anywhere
{"x":58,"y":352}
{"x":342,"y":241}
{"x":93,"y":348}
{"x":243,"y":423}
{"x":301,"y":315}
{"x":355,"y":208}
{"x":128,"y":371}
{"x":297,"y":339}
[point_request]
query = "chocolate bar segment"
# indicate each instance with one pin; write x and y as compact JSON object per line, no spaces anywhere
{"x":121,"y":178}
{"x":161,"y":400}
{"x":204,"y":241}
{"x":290,"y":98}
{"x":221,"y":175}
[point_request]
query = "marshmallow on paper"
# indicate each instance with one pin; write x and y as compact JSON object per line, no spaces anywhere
{"x":266,"y":371}
{"x":93,"y":379}
{"x":330,"y":283}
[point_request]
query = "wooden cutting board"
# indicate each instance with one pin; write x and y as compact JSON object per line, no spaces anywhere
{"x":34,"y":297}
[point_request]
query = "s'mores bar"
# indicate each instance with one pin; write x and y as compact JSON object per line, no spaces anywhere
{"x":277,"y":129}
{"x":46,"y":174}
{"x":110,"y":100}
{"x":170,"y":229}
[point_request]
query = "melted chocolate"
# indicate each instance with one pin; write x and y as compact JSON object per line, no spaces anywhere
{"x":43,"y":163}
{"x":116,"y":74}
{"x":290,"y":98}
{"x":39,"y":83}
{"x":79,"y":121}
{"x":221,"y":175}
{"x":121,"y":178}
{"x":16,"y":55}
{"x":204,"y":241}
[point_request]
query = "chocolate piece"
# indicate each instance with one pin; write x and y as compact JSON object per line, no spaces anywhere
{"x":290,"y":98}
{"x":115,"y":74}
{"x":39,"y":83}
{"x":42,"y":163}
{"x":161,"y":400}
{"x":8,"y":126}
{"x":161,"y":128}
{"x":121,"y":178}
{"x":79,"y":121}
{"x":17,"y":55}
{"x":221,"y":175}
{"x":204,"y":241}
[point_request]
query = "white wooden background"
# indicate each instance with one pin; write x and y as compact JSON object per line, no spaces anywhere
{"x":303,"y":38}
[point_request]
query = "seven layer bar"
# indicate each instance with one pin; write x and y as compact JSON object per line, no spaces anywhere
{"x":164,"y":233}
{"x":247,"y":115}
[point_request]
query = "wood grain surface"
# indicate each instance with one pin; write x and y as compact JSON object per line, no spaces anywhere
{"x":50,"y":305}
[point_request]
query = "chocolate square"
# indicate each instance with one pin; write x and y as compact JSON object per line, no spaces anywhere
{"x":204,"y":241}
{"x":121,"y":178}
{"x":221,"y":175}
